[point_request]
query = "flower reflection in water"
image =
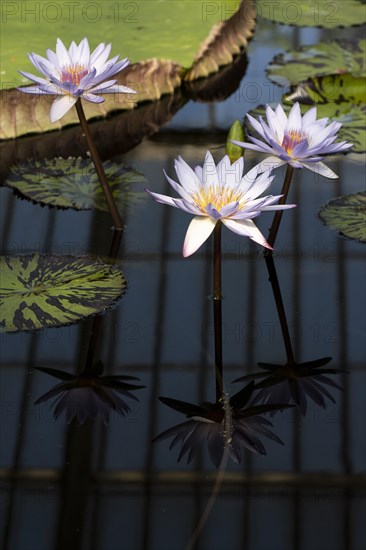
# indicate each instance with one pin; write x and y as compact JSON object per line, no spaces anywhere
{"x":294,"y":383}
{"x":227,"y":423}
{"x":89,"y":395}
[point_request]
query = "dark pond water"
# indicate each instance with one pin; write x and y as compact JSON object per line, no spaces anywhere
{"x":108,"y":487}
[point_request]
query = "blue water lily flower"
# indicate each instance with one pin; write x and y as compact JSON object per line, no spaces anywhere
{"x":301,"y":141}
{"x":220,"y":193}
{"x":75,"y":73}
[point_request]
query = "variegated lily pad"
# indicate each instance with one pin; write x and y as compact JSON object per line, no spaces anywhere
{"x":73,"y":183}
{"x":326,"y":58}
{"x":330,"y":89}
{"x":328,"y":15}
{"x":42,"y":291}
{"x":347,"y":215}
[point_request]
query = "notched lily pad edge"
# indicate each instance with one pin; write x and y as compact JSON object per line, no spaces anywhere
{"x":113,"y":304}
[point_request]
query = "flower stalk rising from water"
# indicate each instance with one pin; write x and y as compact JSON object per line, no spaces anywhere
{"x":220,"y":193}
{"x":75,"y":73}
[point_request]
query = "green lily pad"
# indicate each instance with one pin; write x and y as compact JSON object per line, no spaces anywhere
{"x":326,"y":58}
{"x":328,"y":15}
{"x":352,"y":117}
{"x":42,"y":291}
{"x":139,"y":30}
{"x":210,"y":36}
{"x":347,"y":215}
{"x":73,"y":183}
{"x":330,"y":89}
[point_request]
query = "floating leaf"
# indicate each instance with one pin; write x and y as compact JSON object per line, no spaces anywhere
{"x":326,"y":58}
{"x":140,"y":30}
{"x":226,"y":39}
{"x":330,"y":89}
{"x":73,"y":183}
{"x":352,"y":117}
{"x":150,"y":33}
{"x":301,"y":13}
{"x":112,"y":136}
{"x":347,"y":215}
{"x":41,"y":291}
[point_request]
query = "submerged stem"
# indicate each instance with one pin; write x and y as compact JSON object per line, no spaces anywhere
{"x":278,"y":214}
{"x":217,"y":304}
{"x":117,"y":220}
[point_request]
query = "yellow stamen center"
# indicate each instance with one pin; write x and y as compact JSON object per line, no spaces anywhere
{"x":218,"y":198}
{"x":73,"y":73}
{"x":291,"y":139}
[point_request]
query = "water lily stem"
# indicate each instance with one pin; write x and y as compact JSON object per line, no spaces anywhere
{"x":278,"y":214}
{"x":280,"y":307}
{"x":217,"y":303}
{"x":117,"y":220}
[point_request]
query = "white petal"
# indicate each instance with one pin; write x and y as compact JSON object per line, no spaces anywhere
{"x":37,"y":79}
{"x":281,"y":116}
{"x":32,"y":90}
{"x":92,"y":98}
{"x":277,"y":207}
{"x":262,"y":148}
{"x":270,"y":163}
{"x":198,"y":231}
{"x":61,"y":106}
{"x":294,"y":118}
{"x":62,"y":53}
{"x":209,"y":172}
{"x":73,"y":52}
{"x":246,"y":228}
{"x":186,"y":176}
{"x":116,"y":89}
{"x":275,"y":125}
{"x":259,"y":186}
{"x":163,"y":199}
{"x":100,"y":55}
{"x":309,"y":117}
{"x":229,"y":209}
{"x":52,"y":57}
{"x":230,"y":175}
{"x":321,"y":169}
{"x":178,"y":188}
{"x":84,"y":53}
{"x":256,"y":125}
